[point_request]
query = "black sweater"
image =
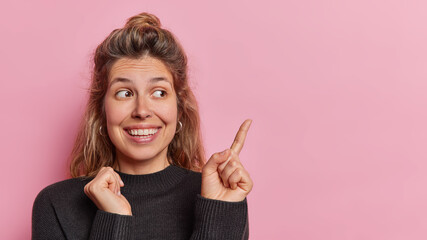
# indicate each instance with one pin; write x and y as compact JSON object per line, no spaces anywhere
{"x":165,"y":205}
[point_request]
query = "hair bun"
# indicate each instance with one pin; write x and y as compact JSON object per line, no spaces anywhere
{"x":143,"y":19}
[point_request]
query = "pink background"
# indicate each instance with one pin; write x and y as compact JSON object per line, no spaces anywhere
{"x":337,"y":91}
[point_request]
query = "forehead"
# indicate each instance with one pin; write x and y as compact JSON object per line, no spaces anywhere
{"x":146,"y":67}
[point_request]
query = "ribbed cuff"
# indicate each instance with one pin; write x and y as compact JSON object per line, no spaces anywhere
{"x":220,"y":220}
{"x":111,"y":226}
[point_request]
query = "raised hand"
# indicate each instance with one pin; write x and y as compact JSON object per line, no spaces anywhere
{"x":104,"y":191}
{"x":223,"y":176}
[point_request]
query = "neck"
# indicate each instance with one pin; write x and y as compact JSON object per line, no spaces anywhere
{"x":157,"y":182}
{"x":131,"y":166}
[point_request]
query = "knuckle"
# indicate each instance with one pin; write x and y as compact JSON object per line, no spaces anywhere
{"x":90,"y":188}
{"x":215,"y":155}
{"x":233,"y":163}
{"x":234,"y":153}
{"x":212,"y":158}
{"x":105,"y":169}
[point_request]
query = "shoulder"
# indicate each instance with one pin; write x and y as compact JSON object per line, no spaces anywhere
{"x":66,"y":205}
{"x":67,"y":189}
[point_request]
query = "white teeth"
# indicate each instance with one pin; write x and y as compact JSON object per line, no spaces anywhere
{"x":142,"y":132}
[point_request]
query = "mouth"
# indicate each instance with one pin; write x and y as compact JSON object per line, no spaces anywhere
{"x":142,"y":134}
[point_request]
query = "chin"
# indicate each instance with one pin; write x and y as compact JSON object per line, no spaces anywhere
{"x":142,"y":155}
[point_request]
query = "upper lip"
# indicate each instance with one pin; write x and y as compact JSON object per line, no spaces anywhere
{"x":141,"y":126}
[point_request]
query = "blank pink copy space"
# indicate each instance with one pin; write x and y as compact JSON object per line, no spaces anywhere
{"x":336,"y":89}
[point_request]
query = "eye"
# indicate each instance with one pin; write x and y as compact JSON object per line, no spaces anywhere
{"x":124,"y":94}
{"x":159,"y":93}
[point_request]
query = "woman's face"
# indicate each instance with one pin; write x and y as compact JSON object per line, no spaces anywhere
{"x":141,"y":109}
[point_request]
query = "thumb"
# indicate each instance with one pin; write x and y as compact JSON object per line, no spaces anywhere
{"x":216,"y":159}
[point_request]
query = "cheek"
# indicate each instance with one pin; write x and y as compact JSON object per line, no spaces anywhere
{"x":168,"y":112}
{"x":114,"y":112}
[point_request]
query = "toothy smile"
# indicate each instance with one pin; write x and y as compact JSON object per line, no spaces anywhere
{"x":142,"y":132}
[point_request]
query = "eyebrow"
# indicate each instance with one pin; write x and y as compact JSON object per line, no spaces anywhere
{"x":126,"y":80}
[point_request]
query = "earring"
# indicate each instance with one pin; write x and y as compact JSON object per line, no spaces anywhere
{"x":100,"y":131}
{"x":180,"y":127}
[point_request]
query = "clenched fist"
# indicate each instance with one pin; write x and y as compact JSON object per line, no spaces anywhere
{"x":104,"y":191}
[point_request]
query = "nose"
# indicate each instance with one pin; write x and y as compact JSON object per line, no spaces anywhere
{"x":142,"y":109}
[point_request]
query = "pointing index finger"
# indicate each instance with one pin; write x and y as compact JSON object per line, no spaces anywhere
{"x":239,"y":140}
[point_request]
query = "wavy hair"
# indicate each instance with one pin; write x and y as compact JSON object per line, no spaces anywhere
{"x":141,"y":36}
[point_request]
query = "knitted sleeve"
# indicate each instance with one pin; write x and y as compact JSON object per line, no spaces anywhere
{"x":111,"y":226}
{"x":216,"y":219}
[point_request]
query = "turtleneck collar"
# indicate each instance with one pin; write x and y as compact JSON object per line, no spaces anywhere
{"x":153,"y":182}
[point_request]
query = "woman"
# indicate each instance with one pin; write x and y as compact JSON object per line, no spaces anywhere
{"x":136,"y":157}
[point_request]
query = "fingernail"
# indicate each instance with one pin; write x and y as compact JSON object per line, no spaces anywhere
{"x":118,"y":193}
{"x":223,"y":152}
{"x":122,"y":183}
